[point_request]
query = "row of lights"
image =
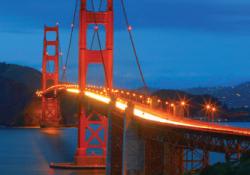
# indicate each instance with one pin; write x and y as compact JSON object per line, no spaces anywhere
{"x":209,"y":107}
{"x":104,"y":91}
{"x":149,"y":100}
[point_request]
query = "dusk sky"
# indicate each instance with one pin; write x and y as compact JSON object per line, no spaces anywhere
{"x":181,"y":43}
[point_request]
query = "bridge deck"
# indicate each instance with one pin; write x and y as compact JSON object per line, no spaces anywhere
{"x":143,"y":111}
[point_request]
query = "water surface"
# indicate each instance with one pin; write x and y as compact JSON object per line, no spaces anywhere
{"x":30,"y":151}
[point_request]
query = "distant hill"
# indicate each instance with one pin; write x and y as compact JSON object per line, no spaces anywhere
{"x":234,"y":96}
{"x":19,"y":106}
{"x":18,"y":86}
{"x":27,"y":76}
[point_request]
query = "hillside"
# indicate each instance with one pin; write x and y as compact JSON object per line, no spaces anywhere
{"x":27,"y":76}
{"x":19,"y":105}
{"x":195,"y":102}
{"x":234,"y":96}
{"x":18,"y":85}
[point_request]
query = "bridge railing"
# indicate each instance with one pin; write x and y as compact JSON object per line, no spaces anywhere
{"x":147,"y":101}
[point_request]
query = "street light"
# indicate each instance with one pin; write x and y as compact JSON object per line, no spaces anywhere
{"x":210,"y":110}
{"x":185,"y":108}
{"x":172,"y":105}
{"x":213,"y":112}
{"x":208,"y":107}
{"x":183,"y":103}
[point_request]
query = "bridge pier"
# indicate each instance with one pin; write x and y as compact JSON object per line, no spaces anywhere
{"x":153,"y":157}
{"x":115,"y":151}
{"x":134,"y":149}
{"x":91,"y":151}
{"x":50,"y":113}
{"x":126,"y":147}
{"x":173,"y":159}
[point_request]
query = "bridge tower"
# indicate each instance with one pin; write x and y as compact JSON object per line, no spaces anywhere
{"x":84,"y":156}
{"x":50,"y":77}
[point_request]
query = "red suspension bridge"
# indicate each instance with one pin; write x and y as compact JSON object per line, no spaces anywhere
{"x":170,"y":144}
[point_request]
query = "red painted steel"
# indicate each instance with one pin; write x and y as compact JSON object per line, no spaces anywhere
{"x":50,"y":105}
{"x":87,"y":57}
{"x":154,"y":157}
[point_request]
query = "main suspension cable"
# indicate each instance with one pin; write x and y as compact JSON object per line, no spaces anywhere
{"x":133,"y":43}
{"x":70,"y":41}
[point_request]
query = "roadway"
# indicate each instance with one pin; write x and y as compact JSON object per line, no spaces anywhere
{"x":141,"y":109}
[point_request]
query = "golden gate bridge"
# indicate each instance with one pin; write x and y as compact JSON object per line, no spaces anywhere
{"x":171,"y":144}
